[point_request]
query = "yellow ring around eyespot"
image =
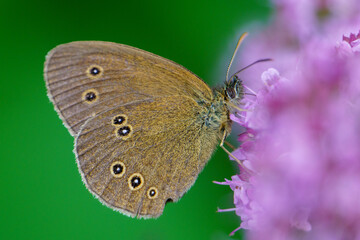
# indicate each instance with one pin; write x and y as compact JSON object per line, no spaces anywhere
{"x":92,"y":76}
{"x":119,"y":125}
{"x":92,"y":90}
{"x":141,"y":181}
{"x":156,"y":193}
{"x":112,"y":170}
{"x":123,"y":137}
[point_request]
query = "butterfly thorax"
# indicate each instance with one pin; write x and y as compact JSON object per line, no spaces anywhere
{"x":214,"y":115}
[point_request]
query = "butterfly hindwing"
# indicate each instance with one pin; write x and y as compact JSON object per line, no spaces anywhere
{"x":166,"y":148}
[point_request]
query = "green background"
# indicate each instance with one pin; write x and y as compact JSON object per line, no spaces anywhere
{"x":42,"y":195}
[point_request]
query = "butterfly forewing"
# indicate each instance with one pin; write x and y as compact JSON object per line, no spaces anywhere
{"x":85,"y":78}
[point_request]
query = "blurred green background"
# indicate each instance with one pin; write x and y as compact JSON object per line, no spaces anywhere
{"x":42,"y":195}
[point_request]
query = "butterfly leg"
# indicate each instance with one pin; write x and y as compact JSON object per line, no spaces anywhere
{"x":237,"y":108}
{"x":229,"y":145}
{"x":228,"y":152}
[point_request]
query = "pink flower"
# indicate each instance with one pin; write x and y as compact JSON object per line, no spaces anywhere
{"x":302,"y":133}
{"x":354,"y":41}
{"x":294,"y":24}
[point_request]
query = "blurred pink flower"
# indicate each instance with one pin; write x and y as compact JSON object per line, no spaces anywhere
{"x":302,"y":135}
{"x":293,"y":25}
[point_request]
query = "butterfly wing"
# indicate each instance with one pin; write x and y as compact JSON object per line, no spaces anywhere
{"x":139,"y":141}
{"x":85,"y":78}
{"x":158,"y":158}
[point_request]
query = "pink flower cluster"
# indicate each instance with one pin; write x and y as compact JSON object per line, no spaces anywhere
{"x":301,"y":146}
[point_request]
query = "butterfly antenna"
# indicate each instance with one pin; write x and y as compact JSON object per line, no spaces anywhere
{"x":241,"y":39}
{"x":258,"y":61}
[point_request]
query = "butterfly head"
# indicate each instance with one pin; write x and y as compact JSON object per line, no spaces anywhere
{"x":234,"y":90}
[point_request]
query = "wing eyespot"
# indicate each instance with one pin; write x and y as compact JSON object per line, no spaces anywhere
{"x":90,"y":96}
{"x":135,"y":181}
{"x":152,"y":193}
{"x":124,"y":132}
{"x":119,"y":120}
{"x":94,"y":71}
{"x":117,"y":169}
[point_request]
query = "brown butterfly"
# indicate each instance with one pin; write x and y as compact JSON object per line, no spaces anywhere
{"x":144,"y":126}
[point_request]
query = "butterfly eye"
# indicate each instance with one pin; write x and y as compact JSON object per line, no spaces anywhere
{"x":230,"y":92}
{"x":90,"y":96}
{"x":152,"y":193}
{"x":94,"y":71}
{"x":117,"y":169}
{"x":136,"y":181}
{"x":119,"y":120}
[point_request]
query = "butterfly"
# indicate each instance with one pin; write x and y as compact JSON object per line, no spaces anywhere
{"x":144,"y":126}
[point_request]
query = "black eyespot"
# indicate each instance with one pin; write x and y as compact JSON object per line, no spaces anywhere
{"x":117,"y":169}
{"x":135,"y":181}
{"x":118,"y":120}
{"x":152,"y":193}
{"x":94,"y":71}
{"x":123,"y":131}
{"x":90,"y":96}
